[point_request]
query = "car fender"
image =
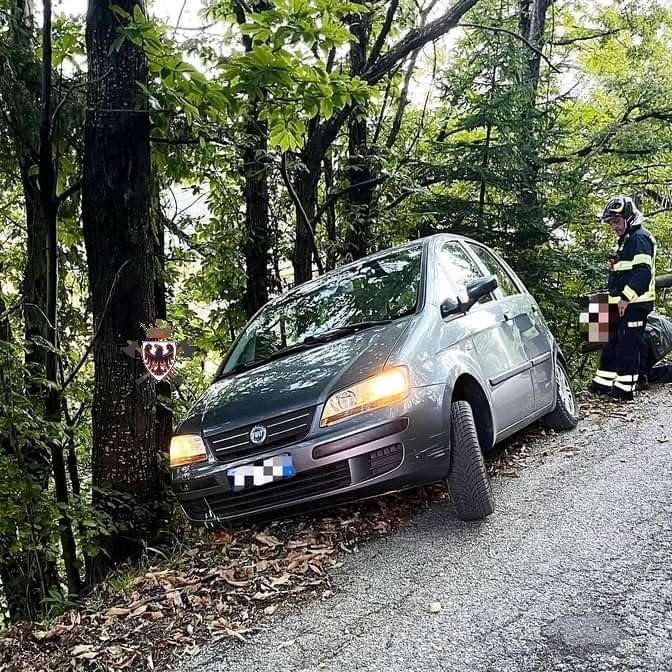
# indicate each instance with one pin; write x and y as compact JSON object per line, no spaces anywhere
{"x":465,"y":380}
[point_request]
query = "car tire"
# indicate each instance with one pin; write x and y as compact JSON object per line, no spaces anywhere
{"x":565,"y":415}
{"x":468,"y":479}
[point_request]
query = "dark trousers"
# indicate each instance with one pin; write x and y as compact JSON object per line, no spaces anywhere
{"x":620,"y":360}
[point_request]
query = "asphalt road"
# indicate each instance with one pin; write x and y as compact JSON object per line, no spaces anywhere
{"x":572,"y":572}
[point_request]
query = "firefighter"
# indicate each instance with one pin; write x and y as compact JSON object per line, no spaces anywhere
{"x":632,"y":291}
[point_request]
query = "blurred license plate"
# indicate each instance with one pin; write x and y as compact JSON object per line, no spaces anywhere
{"x":271,"y":469}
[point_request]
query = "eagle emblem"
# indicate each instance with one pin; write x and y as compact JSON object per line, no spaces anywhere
{"x":158,"y":356}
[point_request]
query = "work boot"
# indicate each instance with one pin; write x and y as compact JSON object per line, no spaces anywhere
{"x":643,"y":382}
{"x":622,"y":395}
{"x":601,"y":390}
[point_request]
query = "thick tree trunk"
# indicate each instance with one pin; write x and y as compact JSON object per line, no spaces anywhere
{"x":116,"y":198}
{"x":305,"y":186}
{"x":532,"y":26}
{"x":256,"y":241}
{"x":49,"y":206}
{"x":359,"y":167}
{"x":257,"y":237}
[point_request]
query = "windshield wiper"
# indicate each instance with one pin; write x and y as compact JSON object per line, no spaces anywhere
{"x":275,"y":355}
{"x":345,"y":330}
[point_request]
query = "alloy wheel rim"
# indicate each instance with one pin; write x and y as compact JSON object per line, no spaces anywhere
{"x":565,"y":389}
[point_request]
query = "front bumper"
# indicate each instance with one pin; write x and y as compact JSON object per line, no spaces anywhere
{"x":382,"y":451}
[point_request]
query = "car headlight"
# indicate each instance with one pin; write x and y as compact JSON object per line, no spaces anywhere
{"x":187,"y":449}
{"x":386,"y":388}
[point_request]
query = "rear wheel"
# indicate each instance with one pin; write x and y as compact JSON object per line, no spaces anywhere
{"x":565,"y":415}
{"x":468,"y":478}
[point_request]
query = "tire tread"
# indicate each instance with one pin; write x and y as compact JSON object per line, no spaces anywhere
{"x":468,"y":478}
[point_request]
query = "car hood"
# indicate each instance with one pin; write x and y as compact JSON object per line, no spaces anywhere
{"x":302,"y":379}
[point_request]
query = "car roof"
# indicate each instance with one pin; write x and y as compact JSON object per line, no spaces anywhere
{"x":425,"y":240}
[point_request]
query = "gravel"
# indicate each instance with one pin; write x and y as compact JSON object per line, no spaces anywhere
{"x":571,"y":572}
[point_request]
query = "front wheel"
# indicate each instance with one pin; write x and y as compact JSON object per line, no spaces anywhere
{"x":565,"y":415}
{"x":468,"y":479}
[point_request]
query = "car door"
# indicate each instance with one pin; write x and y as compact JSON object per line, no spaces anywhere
{"x":529,"y":322}
{"x":495,"y":337}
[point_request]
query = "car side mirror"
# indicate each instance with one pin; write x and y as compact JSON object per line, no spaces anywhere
{"x":476,"y":289}
{"x":480,"y":287}
{"x":451,"y":306}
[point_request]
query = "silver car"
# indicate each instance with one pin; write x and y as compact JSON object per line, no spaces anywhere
{"x":395,"y":371}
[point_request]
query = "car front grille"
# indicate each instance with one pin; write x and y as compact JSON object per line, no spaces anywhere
{"x":304,"y":484}
{"x":320,"y":481}
{"x":282,"y":430}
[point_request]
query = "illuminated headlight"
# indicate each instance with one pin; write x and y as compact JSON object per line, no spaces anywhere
{"x":386,"y":388}
{"x":186,"y":449}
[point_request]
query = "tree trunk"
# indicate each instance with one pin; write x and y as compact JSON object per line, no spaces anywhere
{"x":38,"y":572}
{"x":49,"y":206}
{"x":164,"y":414}
{"x":532,"y":25}
{"x":116,"y":204}
{"x":305,"y":186}
{"x":256,"y":243}
{"x":332,"y":246}
{"x":257,"y":237}
{"x":359,"y":167}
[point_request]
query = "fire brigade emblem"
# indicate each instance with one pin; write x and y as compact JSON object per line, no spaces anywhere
{"x":158,"y":355}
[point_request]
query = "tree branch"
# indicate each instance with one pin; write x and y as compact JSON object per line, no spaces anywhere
{"x":191,"y":141}
{"x":100,"y":324}
{"x":658,"y":212}
{"x":69,"y":191}
{"x":382,"y":35}
{"x":297,"y":202}
{"x":68,"y":93}
{"x":416,"y":39}
{"x":518,"y":36}
{"x":334,"y":196}
{"x":593,"y":36}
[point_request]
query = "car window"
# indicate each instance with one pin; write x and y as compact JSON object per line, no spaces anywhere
{"x":505,"y":282}
{"x":460,"y":269}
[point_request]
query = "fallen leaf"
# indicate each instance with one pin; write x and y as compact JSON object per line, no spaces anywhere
{"x":139,"y":611}
{"x":271,"y":609}
{"x":268,"y":539}
{"x":85,"y":651}
{"x":434,"y":607}
{"x":286,"y":644}
{"x":118,"y":611}
{"x":280,"y":580}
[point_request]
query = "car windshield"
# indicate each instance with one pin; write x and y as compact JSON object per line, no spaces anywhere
{"x":374,"y":291}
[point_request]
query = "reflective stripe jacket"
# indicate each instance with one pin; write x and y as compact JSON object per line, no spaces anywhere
{"x":634,"y":274}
